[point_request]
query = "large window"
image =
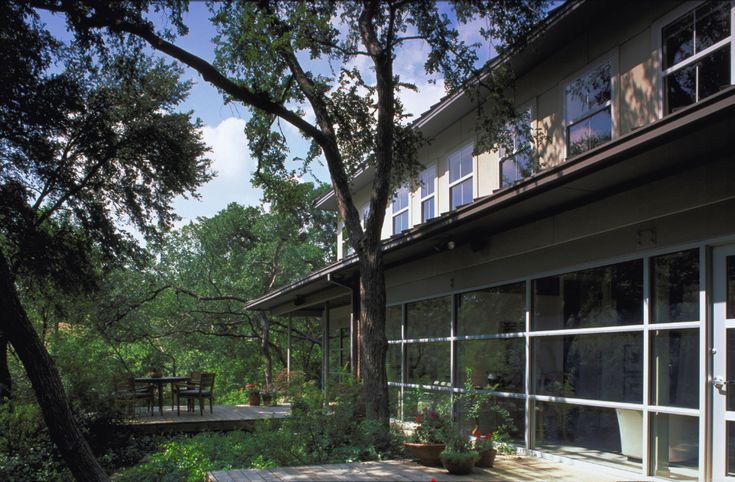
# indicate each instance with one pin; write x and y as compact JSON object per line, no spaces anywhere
{"x":428,"y":193}
{"x":696,"y":55}
{"x":460,"y":177}
{"x":588,"y":102}
{"x":571,"y":360}
{"x":400,"y":210}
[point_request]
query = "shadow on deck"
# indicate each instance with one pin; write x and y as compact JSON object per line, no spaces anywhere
{"x":224,"y":418}
{"x":507,"y":468}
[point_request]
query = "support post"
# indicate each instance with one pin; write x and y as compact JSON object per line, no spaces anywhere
{"x":288,"y":352}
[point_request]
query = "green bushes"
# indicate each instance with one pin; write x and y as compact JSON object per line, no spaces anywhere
{"x":317,"y":432}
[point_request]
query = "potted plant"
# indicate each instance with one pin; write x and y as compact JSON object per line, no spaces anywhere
{"x":483,"y":444}
{"x":253,"y":393}
{"x":458,"y":457}
{"x":427,"y":440}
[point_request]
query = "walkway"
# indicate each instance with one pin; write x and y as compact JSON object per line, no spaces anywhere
{"x":224,"y":418}
{"x":507,"y":468}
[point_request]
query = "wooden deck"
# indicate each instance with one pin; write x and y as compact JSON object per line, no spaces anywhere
{"x":224,"y":418}
{"x":507,"y":468}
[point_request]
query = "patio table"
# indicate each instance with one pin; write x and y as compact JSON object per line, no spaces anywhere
{"x":159,"y":381}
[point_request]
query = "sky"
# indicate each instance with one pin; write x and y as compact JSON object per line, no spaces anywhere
{"x":223,"y":124}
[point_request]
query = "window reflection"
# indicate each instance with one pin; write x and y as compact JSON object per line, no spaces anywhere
{"x":498,"y":364}
{"x":393,"y":362}
{"x":393,"y":322}
{"x":597,"y":367}
{"x":675,"y":368}
{"x":675,"y":446}
{"x":415,"y":400}
{"x":589,"y":432}
{"x":429,"y":318}
{"x":675,"y":293}
{"x":428,"y":364}
{"x":606,"y":296}
{"x":492,"y":310}
{"x":503,"y":415}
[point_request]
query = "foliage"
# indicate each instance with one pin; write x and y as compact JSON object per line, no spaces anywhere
{"x":432,"y":427}
{"x":474,"y":401}
{"x":316,"y":432}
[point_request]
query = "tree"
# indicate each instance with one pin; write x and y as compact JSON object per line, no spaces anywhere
{"x":263,"y":49}
{"x":85,"y":142}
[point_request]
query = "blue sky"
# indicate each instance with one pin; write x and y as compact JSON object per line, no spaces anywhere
{"x":224,"y":124}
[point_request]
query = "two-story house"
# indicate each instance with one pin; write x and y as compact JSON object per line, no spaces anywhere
{"x":586,"y":280}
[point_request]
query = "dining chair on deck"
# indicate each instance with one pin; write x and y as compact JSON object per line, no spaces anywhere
{"x":191,"y":384}
{"x":127,"y":394}
{"x":205,"y":389}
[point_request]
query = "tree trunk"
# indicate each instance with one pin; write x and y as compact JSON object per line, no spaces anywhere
{"x":373,"y":342}
{"x":265,"y":349}
{"x":46,"y":383}
{"x":6,"y":381}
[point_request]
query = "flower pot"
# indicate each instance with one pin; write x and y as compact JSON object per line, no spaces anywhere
{"x":487,"y":458}
{"x":459,"y":463}
{"x":428,"y":454}
{"x":254,"y":399}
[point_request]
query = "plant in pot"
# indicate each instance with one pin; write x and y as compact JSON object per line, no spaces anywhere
{"x":458,"y":457}
{"x":483,"y":444}
{"x":253,"y":393}
{"x":428,"y":439}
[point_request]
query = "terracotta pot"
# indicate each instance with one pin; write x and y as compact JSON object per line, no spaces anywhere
{"x":459,"y":464}
{"x":254,"y":399}
{"x":428,"y":454}
{"x":487,"y":458}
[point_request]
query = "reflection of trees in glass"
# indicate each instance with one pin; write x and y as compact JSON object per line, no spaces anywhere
{"x":498,"y":362}
{"x":605,"y":296}
{"x":429,"y":318}
{"x":415,"y":400}
{"x":393,"y":362}
{"x":393,"y":322}
{"x":588,"y":110}
{"x":596,"y":367}
{"x":492,"y":310}
{"x":428,"y":363}
{"x":676,"y":287}
{"x":519,"y":147}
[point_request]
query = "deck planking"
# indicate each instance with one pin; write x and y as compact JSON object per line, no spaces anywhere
{"x":507,"y":468}
{"x":224,"y":418}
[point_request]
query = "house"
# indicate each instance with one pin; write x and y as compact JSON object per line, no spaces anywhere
{"x":590,"y":286}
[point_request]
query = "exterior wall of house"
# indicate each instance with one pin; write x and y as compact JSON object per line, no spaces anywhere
{"x":589,"y":326}
{"x":629,"y":42}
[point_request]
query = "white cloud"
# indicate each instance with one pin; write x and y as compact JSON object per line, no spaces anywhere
{"x":229,"y":147}
{"x":233,"y":168}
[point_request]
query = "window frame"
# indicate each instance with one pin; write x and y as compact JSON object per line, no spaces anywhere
{"x":610,"y":58}
{"x":531,"y":111}
{"x":404,"y":210}
{"x":462,"y":178}
{"x":657,"y":33}
{"x":432,"y":195}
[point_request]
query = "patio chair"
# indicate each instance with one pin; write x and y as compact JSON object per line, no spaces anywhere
{"x":205,"y":389}
{"x":191,"y":384}
{"x":127,"y":394}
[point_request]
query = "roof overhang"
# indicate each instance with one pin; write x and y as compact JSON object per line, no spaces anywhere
{"x":692,"y":135}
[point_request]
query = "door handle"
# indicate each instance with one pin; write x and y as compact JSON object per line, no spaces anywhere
{"x":719,"y":383}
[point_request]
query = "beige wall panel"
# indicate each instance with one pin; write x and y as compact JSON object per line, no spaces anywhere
{"x":638,"y":82}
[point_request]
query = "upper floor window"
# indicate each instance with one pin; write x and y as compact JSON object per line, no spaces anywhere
{"x":400,"y":210}
{"x":516,"y":160}
{"x":460,"y":177}
{"x":428,"y":193}
{"x":365,"y":214}
{"x":587,"y":102}
{"x":696,"y":55}
{"x":346,"y":247}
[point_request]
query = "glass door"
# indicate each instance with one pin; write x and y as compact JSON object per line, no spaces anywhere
{"x":723,"y":370}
